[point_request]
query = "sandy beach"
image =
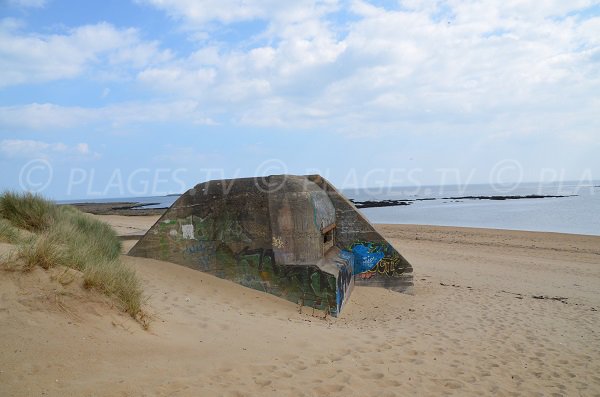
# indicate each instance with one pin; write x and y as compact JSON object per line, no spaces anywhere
{"x":493,"y":312}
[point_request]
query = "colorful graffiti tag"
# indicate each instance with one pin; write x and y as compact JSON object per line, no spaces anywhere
{"x":372,"y":258}
{"x":252,"y":267}
{"x":207,"y":245}
{"x":305,"y":243}
{"x":345,"y":264}
{"x":306,"y":285}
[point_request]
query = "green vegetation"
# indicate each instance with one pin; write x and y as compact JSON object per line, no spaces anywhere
{"x":27,"y":211}
{"x":9,"y":233}
{"x":64,"y":236}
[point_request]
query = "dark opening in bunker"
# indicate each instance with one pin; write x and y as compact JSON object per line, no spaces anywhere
{"x":328,"y":237}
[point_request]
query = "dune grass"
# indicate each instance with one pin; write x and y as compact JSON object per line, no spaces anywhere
{"x":9,"y":233}
{"x":64,"y":236}
{"x":27,"y":211}
{"x":42,"y":251}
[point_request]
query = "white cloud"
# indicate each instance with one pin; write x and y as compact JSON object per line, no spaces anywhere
{"x":40,"y":116}
{"x":51,"y":117}
{"x":27,"y":58}
{"x":178,"y":79}
{"x":463,"y":63}
{"x":82,"y":148}
{"x":499,"y":68}
{"x":139,"y":113}
{"x":298,"y":45}
{"x":208,"y":10}
{"x":140,"y":55}
{"x":28,"y":3}
{"x":198,"y":13}
{"x":24,"y":148}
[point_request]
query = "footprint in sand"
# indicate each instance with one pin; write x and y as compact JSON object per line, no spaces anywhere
{"x":375,"y":375}
{"x":285,"y":374}
{"x":392,"y":383}
{"x":449,"y":383}
{"x":300,"y":366}
{"x":326,"y":389}
{"x":262,"y":382}
{"x":236,"y":393}
{"x":346,"y":352}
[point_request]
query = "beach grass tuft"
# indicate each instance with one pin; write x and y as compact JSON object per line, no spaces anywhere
{"x":27,"y":211}
{"x":64,"y":236}
{"x":43,"y":251}
{"x":117,"y":281}
{"x":9,"y":233}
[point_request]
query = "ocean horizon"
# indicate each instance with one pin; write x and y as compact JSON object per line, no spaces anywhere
{"x":576,"y":211}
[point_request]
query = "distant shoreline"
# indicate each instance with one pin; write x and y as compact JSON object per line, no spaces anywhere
{"x":119,"y":208}
{"x":392,"y":203}
{"x":134,"y":208}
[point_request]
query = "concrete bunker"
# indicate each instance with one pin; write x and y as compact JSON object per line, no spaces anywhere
{"x":296,"y":237}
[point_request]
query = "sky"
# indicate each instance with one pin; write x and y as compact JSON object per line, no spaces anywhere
{"x":120,"y":98}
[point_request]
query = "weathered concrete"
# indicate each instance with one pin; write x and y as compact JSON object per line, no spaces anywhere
{"x":377,"y":263}
{"x":295,"y":237}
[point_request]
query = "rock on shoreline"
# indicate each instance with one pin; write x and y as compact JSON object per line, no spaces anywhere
{"x":392,"y":203}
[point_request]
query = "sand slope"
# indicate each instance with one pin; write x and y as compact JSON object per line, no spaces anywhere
{"x":471,"y":328}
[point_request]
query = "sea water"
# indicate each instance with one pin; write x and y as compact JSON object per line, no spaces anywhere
{"x":577,"y":213}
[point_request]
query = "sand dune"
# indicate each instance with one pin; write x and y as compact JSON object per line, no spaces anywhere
{"x":472,"y":327}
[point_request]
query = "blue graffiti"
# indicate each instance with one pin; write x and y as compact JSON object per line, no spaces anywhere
{"x":345,"y":263}
{"x":366,"y":256}
{"x":203,"y":252}
{"x":347,"y":257}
